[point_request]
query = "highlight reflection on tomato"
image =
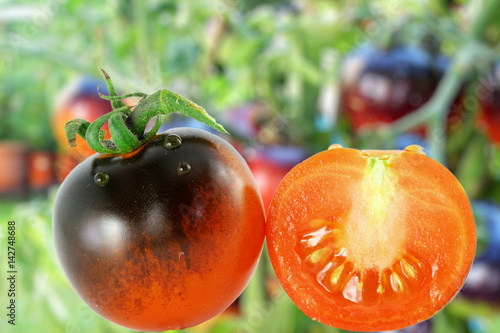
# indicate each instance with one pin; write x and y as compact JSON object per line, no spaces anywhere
{"x":371,"y":240}
{"x":165,"y":237}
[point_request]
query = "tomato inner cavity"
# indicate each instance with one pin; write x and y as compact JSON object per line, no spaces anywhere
{"x":359,"y":255}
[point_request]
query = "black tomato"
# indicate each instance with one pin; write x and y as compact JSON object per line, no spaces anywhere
{"x":162,"y":238}
{"x":380,"y":85}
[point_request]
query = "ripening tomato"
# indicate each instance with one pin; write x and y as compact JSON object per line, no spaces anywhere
{"x":380,"y":85}
{"x":165,"y":237}
{"x":489,"y":100}
{"x":247,"y":120}
{"x":371,"y":240}
{"x":269,"y":164}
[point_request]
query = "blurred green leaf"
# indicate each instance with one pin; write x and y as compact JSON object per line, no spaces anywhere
{"x":266,"y":50}
{"x":472,"y":169}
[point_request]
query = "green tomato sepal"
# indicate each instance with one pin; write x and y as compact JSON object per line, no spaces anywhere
{"x":127,"y":125}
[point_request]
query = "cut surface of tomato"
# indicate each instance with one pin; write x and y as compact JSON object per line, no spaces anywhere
{"x":371,"y":240}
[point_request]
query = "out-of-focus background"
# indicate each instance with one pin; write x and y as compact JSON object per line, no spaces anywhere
{"x":287,"y":79}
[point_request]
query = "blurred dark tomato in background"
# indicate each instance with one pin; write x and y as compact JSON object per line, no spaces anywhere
{"x":489,"y":101}
{"x":381,"y":86}
{"x":483,"y":282}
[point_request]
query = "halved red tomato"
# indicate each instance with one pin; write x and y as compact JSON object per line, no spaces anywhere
{"x":371,"y":240}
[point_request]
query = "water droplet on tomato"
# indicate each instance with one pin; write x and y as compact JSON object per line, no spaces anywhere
{"x":335,"y":146}
{"x":183,"y":168}
{"x":101,"y":178}
{"x":415,"y":149}
{"x":172,"y":141}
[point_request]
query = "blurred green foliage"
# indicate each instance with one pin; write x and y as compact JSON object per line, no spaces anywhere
{"x":221,"y":54}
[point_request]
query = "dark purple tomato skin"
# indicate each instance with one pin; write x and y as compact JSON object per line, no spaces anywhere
{"x":161,"y":245}
{"x":381,"y":86}
{"x":483,"y":283}
{"x":423,"y":327}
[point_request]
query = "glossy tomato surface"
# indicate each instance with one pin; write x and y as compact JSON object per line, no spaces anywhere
{"x":163,"y":238}
{"x":371,"y":240}
{"x":381,"y":86}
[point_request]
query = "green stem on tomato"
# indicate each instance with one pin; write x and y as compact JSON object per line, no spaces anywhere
{"x":127,"y":127}
{"x":115,"y":103}
{"x":164,"y":102}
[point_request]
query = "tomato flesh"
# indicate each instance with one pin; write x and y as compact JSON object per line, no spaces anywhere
{"x":370,"y":240}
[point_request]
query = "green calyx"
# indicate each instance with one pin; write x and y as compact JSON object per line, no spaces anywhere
{"x":127,"y":125}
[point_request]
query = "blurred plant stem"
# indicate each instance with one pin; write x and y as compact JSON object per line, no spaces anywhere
{"x":489,"y":14}
{"x":143,"y":43}
{"x":433,"y":114}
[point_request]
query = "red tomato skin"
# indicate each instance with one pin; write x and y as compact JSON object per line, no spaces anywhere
{"x":320,"y":188}
{"x":270,"y":164}
{"x":268,"y":176}
{"x":153,"y":249}
{"x":489,"y":101}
